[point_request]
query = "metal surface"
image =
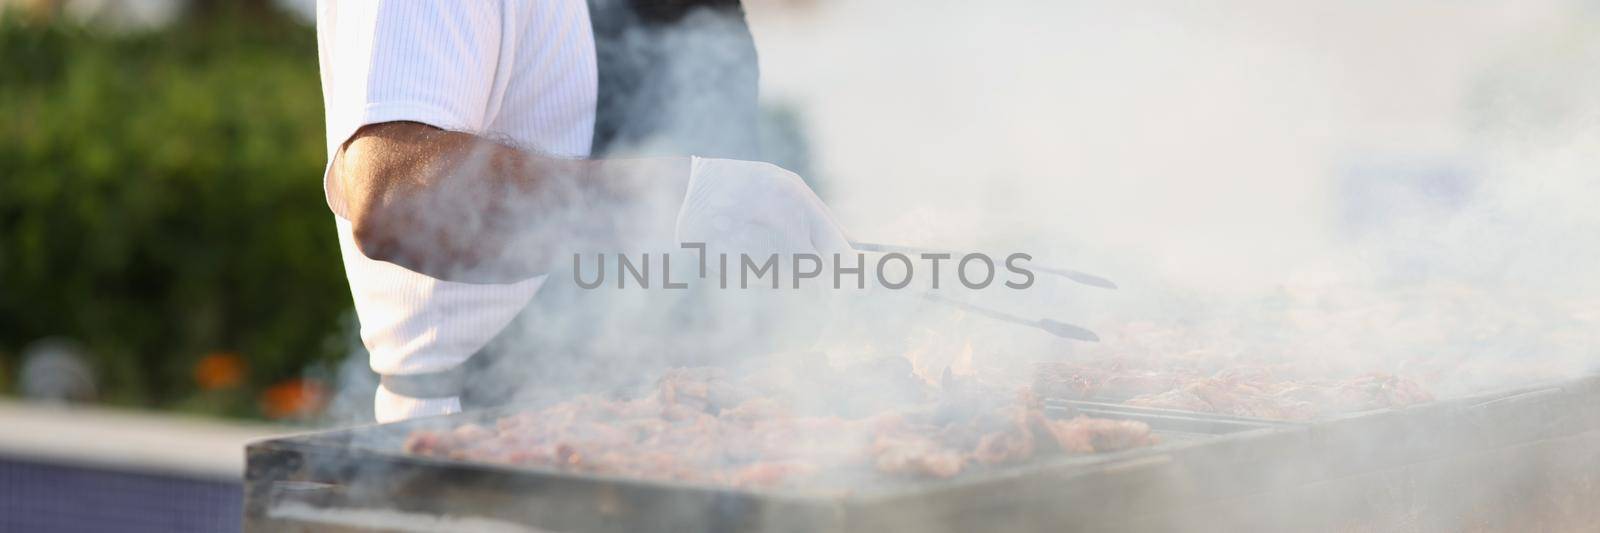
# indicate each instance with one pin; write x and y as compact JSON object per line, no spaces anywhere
{"x":1084,"y":278}
{"x":1491,"y":462}
{"x":363,"y":469}
{"x":1171,"y":419}
{"x":1054,"y":327}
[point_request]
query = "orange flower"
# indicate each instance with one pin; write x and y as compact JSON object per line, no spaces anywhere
{"x":293,"y":398}
{"x":219,"y":370}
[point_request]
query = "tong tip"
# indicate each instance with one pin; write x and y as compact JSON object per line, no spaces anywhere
{"x":1081,"y":277}
{"x":1063,"y":329}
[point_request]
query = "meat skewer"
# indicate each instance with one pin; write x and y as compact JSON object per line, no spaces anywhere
{"x":1054,"y":327}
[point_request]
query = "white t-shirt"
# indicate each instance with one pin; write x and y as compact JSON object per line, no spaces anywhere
{"x":514,"y":69}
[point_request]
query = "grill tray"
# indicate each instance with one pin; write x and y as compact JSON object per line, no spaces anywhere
{"x":363,"y":469}
{"x":1513,"y":460}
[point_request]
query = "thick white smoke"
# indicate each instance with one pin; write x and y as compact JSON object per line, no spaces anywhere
{"x":1210,"y":156}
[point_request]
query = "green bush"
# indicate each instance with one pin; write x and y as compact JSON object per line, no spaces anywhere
{"x":160,"y":200}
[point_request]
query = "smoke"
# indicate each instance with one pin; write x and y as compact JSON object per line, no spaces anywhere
{"x":1213,"y":159}
{"x":1349,"y":187}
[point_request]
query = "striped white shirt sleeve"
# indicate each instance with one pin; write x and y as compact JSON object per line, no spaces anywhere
{"x":440,"y":63}
{"x":421,"y":61}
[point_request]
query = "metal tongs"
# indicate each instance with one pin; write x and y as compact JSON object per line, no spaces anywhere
{"x":1054,"y":327}
{"x":1074,"y":275}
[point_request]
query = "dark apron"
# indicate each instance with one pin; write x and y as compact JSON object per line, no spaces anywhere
{"x":676,"y":77}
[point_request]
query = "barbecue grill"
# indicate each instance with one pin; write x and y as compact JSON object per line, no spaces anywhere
{"x":1510,"y":460}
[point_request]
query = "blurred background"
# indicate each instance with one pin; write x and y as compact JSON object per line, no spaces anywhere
{"x":163,"y":240}
{"x":168,"y":276}
{"x":164,"y":244}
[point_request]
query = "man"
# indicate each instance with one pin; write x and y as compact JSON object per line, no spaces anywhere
{"x":476,"y":146}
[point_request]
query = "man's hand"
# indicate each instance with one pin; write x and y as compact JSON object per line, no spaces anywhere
{"x":755,"y":208}
{"x":459,"y":207}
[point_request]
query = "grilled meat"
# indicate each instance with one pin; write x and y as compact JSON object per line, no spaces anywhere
{"x":691,"y":429}
{"x":1239,"y":390}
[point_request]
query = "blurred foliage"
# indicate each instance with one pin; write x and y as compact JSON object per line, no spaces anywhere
{"x":160,"y":201}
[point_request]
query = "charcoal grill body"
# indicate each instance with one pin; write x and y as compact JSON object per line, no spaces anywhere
{"x":1501,"y":462}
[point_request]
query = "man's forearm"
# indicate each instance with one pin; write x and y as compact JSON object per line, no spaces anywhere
{"x":460,"y":207}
